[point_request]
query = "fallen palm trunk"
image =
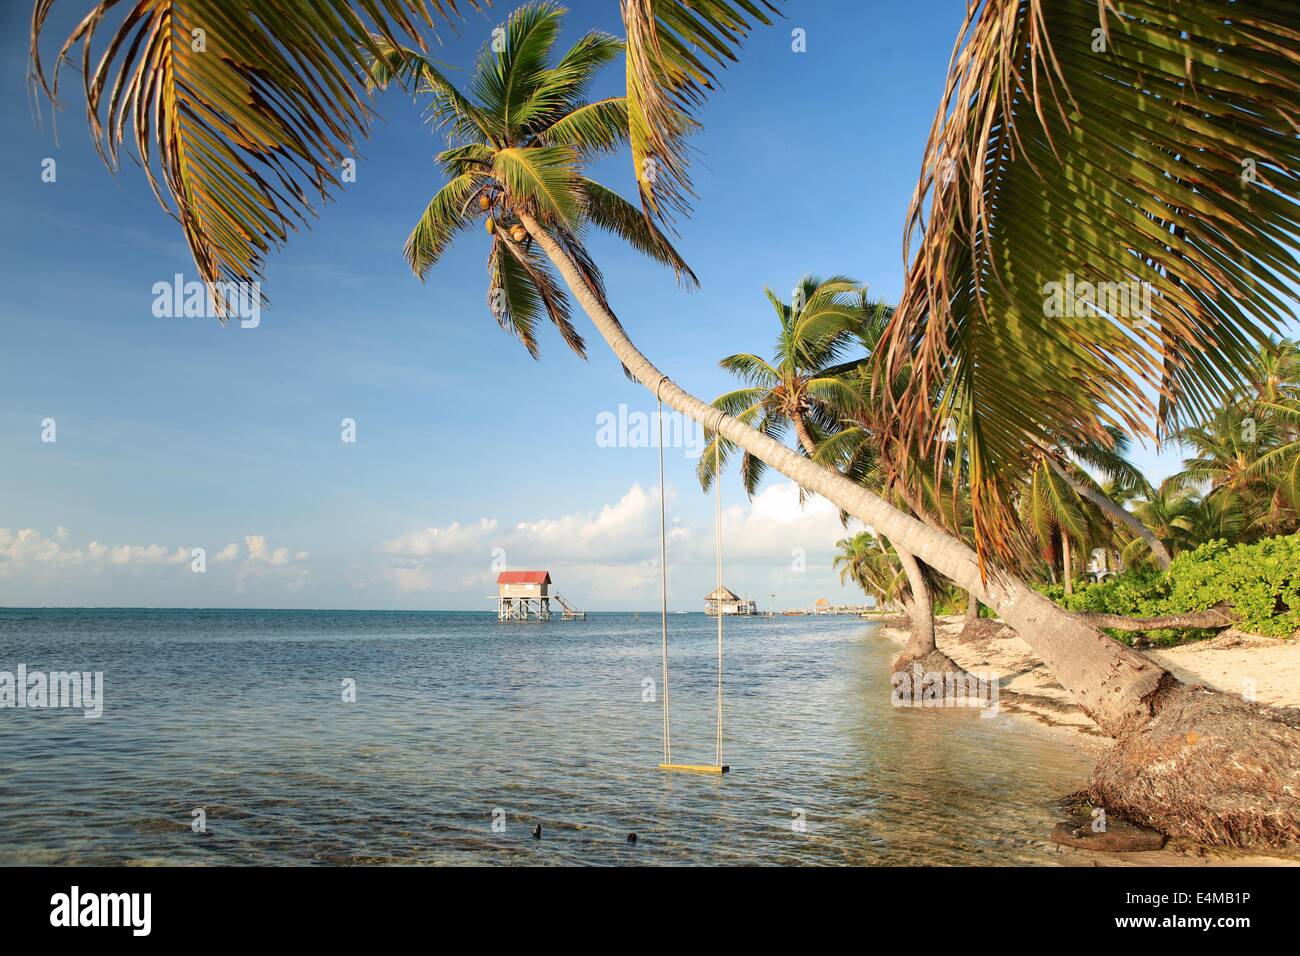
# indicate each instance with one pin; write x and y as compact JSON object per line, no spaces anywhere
{"x":1220,"y":616}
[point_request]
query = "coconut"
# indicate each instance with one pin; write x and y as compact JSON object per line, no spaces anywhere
{"x":491,"y":225}
{"x":484,"y":202}
{"x":519,"y":233}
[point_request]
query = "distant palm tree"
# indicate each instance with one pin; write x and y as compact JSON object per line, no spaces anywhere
{"x":1183,"y":519}
{"x":1063,"y":500}
{"x":813,"y":385}
{"x":802,"y":386}
{"x":866,"y":561}
{"x":1250,"y":449}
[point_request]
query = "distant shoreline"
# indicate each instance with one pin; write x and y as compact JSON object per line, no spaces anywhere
{"x":405,"y":610}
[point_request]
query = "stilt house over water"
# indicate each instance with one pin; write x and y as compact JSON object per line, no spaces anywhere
{"x":527,"y":595}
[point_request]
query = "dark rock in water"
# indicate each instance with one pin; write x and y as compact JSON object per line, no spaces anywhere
{"x":1118,"y":837}
{"x":631,"y":838}
{"x":537,"y":832}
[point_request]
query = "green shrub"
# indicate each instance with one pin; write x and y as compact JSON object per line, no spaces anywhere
{"x":1260,"y":580}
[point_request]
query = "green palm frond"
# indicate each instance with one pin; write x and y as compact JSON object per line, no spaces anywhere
{"x":743,"y":404}
{"x":451,"y":209}
{"x":543,"y":176}
{"x":469,"y":158}
{"x":419,"y":73}
{"x":506,"y":79}
{"x":608,"y":210}
{"x":599,"y":127}
{"x":513,"y":299}
{"x":669,"y":48}
{"x":560,"y":89}
{"x":838,"y":397}
{"x":550,"y":291}
{"x":1128,"y":141}
{"x":751,"y":368}
{"x":240,"y":112}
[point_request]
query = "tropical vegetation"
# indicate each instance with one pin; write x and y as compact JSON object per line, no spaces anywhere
{"x":1143,"y":152}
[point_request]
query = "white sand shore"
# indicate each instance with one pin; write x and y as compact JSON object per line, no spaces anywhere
{"x":1232,"y":662}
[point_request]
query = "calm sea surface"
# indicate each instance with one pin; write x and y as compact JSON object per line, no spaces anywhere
{"x":240,"y":713}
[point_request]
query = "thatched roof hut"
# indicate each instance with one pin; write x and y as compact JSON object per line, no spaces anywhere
{"x":725,"y":601}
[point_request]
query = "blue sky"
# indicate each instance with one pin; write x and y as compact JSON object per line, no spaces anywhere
{"x":177,"y":433}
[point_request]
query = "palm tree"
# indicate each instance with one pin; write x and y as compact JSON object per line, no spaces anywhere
{"x":866,"y":561}
{"x":1122,"y":479}
{"x":1062,"y":499}
{"x":523,"y":135}
{"x":801,"y":386}
{"x":810,"y":384}
{"x":1250,"y":449}
{"x":1055,"y":514}
{"x":1165,"y":203}
{"x":1182,"y":519}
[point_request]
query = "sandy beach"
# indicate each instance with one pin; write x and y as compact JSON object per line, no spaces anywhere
{"x":1233,"y":662}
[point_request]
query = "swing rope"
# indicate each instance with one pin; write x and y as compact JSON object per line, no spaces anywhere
{"x":663,"y":575}
{"x":668,"y":764}
{"x":717,"y":540}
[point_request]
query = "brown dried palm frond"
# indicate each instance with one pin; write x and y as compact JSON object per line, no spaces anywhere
{"x":241,"y":112}
{"x":1112,"y":141}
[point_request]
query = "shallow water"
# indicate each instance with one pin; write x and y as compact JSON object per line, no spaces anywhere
{"x":241,"y":713}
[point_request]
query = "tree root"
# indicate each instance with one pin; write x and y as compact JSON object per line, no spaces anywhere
{"x":935,"y":661}
{"x":1208,"y":766}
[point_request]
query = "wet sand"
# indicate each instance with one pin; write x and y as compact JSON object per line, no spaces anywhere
{"x":1233,"y":662}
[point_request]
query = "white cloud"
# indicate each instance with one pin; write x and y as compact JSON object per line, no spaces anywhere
{"x":27,"y":548}
{"x":453,"y":539}
{"x":263,"y":561}
{"x":28,"y":554}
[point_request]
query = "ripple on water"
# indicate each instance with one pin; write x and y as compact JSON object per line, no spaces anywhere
{"x":459,"y":718}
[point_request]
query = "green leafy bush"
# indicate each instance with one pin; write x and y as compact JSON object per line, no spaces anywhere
{"x":1260,"y":580}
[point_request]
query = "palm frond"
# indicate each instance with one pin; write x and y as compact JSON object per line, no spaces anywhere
{"x":420,"y":73}
{"x":450,"y":210}
{"x":239,"y":112}
{"x":599,"y":127}
{"x":670,"y":45}
{"x":562,"y":87}
{"x":544,"y":176}
{"x":750,"y":368}
{"x":1164,"y":159}
{"x":549,"y":290}
{"x":513,"y":298}
{"x":611,"y":212}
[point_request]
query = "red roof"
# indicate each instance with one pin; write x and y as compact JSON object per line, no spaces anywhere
{"x":524,"y":577}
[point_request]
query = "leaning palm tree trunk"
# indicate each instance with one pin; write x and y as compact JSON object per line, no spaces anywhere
{"x":920,"y":608}
{"x":1238,"y":781}
{"x":1112,"y":683}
